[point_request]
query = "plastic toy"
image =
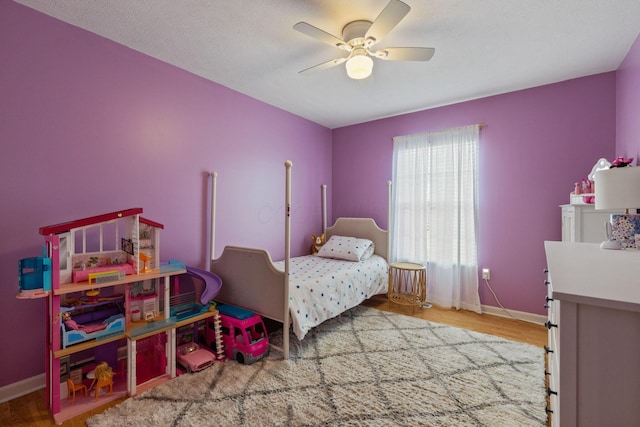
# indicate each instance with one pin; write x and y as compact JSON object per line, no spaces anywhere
{"x":144,"y":258}
{"x":244,"y":335}
{"x":193,"y":358}
{"x":104,"y":378}
{"x":34,"y":273}
{"x":89,"y":269}
{"x":72,"y":388}
{"x":621,"y":162}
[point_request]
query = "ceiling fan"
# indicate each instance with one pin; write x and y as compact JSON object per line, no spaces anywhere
{"x":358,"y":39}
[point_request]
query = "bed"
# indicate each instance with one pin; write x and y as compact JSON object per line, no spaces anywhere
{"x":112,"y":325}
{"x":303,"y":291}
{"x":85,"y":320}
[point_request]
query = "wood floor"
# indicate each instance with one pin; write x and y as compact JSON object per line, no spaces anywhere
{"x":30,"y":410}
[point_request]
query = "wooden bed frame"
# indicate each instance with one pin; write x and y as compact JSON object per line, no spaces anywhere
{"x":250,"y":278}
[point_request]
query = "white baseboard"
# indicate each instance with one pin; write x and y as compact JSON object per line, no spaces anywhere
{"x":22,"y":387}
{"x":538,"y":319}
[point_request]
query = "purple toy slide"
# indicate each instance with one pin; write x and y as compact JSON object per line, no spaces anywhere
{"x":212,"y":283}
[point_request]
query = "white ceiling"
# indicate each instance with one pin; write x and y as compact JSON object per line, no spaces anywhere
{"x":483,"y":47}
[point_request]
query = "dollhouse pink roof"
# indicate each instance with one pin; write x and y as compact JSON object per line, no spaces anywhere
{"x":67,"y":226}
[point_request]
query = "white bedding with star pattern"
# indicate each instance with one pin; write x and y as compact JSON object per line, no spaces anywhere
{"x":321,"y":288}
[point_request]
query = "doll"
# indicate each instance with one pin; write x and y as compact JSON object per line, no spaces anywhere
{"x":72,"y":325}
{"x":103,"y":372}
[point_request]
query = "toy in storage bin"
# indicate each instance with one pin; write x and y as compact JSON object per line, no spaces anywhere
{"x":243,"y":334}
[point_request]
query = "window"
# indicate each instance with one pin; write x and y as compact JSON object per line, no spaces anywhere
{"x":434,"y":211}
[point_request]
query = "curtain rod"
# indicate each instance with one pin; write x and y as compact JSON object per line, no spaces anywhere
{"x":480,"y":125}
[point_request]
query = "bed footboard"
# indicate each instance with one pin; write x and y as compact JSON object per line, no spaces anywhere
{"x":250,"y":280}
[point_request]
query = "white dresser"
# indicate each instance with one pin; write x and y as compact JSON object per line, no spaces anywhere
{"x":582,"y":223}
{"x":594,"y":335}
{"x":552,"y":350}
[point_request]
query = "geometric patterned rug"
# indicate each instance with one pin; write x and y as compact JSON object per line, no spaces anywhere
{"x":366,"y":367}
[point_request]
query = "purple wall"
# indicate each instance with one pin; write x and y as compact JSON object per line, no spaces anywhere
{"x":536,"y":144}
{"x":628,"y":105}
{"x":89,"y":126}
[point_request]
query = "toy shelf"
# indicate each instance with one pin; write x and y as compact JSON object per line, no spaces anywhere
{"x":76,"y":348}
{"x":67,"y":288}
{"x":142,"y":329}
{"x":38,"y":293}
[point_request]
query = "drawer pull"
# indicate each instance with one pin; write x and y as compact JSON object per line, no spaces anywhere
{"x":547,"y":350}
{"x":547,"y":298}
{"x":550,"y":325}
{"x":547,"y":306}
{"x":547,"y":282}
{"x":545,"y":270}
{"x":548,"y":410}
{"x":550,"y":392}
{"x":547,"y":373}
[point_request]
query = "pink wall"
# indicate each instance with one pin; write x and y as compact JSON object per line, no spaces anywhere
{"x":628,"y":104}
{"x":536,"y":144}
{"x":89,"y":126}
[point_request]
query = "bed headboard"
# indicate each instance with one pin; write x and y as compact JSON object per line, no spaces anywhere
{"x":363,"y":228}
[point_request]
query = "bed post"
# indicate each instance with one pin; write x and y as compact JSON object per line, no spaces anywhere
{"x":287,"y":257}
{"x":212,"y":225}
{"x":388,"y":221}
{"x":324,"y":209}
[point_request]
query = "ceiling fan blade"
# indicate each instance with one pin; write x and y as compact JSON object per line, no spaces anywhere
{"x":321,"y":35}
{"x":390,"y":16}
{"x":324,"y":65}
{"x":405,"y":53}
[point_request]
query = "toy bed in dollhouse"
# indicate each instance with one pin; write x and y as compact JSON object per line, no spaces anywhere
{"x":101,"y":321}
{"x":310,"y":289}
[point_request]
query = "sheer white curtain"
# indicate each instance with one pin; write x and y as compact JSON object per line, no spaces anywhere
{"x":434,"y":211}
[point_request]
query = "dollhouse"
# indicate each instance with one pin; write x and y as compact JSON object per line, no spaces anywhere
{"x":108,"y":301}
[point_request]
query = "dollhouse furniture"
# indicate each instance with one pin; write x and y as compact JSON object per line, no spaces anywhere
{"x":106,"y":384}
{"x":407,"y":283}
{"x":104,"y":378}
{"x":114,"y":325}
{"x":100,"y":312}
{"x":283,"y":291}
{"x":594,"y":335}
{"x":89,"y":273}
{"x":72,"y":388}
{"x":92,"y":320}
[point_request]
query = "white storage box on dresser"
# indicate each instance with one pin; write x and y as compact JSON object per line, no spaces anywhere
{"x":597,"y":334}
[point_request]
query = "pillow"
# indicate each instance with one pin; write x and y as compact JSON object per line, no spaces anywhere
{"x":345,"y":248}
{"x":367,"y":254}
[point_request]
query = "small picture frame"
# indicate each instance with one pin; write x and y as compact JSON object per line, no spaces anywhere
{"x":64,"y":368}
{"x":127,"y":246}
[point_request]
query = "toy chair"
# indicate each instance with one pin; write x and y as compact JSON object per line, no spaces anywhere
{"x":72,"y":388}
{"x":104,"y":377}
{"x":144,"y":258}
{"x":106,"y":383}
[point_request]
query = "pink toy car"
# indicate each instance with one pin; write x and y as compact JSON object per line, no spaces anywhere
{"x":193,"y":358}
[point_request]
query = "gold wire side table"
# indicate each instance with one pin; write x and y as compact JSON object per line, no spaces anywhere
{"x":407,"y":283}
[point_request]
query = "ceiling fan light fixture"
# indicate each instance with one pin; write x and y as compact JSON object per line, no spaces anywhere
{"x":360,"y":65}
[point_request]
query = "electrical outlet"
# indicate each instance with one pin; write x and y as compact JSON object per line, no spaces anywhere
{"x":486,"y":274}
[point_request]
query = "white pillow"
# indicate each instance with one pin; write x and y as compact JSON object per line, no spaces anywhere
{"x":345,"y":248}
{"x":370,"y":250}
